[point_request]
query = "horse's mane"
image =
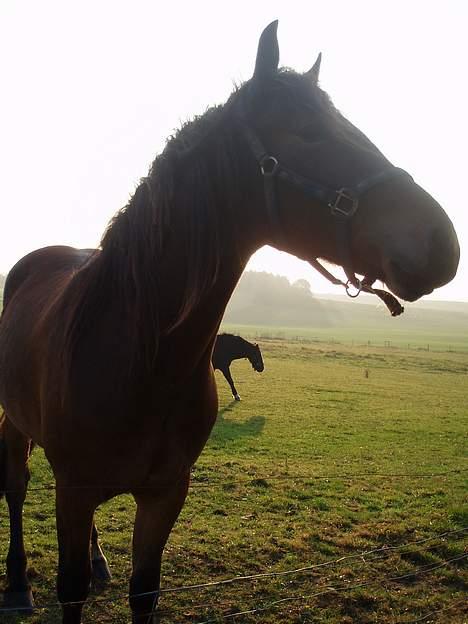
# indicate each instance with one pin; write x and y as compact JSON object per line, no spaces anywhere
{"x":233,"y":337}
{"x":195,"y":182}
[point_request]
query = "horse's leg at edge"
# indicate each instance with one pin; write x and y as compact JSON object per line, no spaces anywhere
{"x":155,"y":517}
{"x":99,"y":565}
{"x":18,"y":594}
{"x":227,"y":373}
{"x":74,"y":524}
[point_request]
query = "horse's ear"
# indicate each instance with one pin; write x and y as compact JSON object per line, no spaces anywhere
{"x":313,"y":73}
{"x":266,"y":64}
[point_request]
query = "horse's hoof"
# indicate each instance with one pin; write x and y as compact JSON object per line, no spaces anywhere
{"x":237,"y":397}
{"x":101,"y":572}
{"x":21,"y":601}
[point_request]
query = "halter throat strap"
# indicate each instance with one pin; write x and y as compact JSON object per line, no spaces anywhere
{"x":343,"y":204}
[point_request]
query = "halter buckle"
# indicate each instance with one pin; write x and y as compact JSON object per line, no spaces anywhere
{"x":268,"y":165}
{"x":345,"y":204}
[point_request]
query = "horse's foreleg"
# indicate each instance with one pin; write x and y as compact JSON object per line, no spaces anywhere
{"x":74,"y":523}
{"x":155,"y":517}
{"x":100,"y":568}
{"x":227,"y":373}
{"x":18,"y":593}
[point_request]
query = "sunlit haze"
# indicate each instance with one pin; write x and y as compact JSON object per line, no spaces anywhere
{"x":91,"y":89}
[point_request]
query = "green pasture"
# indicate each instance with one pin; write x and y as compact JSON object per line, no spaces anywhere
{"x":337,"y":484}
{"x":391,"y":333}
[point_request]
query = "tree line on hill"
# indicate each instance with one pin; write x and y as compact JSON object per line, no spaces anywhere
{"x":265,"y":299}
{"x":271,"y":300}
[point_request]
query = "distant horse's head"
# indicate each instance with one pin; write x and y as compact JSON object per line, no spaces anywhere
{"x":255,"y":358}
{"x":335,"y":195}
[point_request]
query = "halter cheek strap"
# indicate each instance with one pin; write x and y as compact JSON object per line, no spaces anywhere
{"x":343,"y":204}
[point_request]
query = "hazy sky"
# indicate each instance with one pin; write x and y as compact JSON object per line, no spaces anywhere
{"x":90,"y":90}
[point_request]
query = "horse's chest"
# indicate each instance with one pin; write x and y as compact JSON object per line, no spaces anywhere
{"x":146,"y":442}
{"x":189,"y":419}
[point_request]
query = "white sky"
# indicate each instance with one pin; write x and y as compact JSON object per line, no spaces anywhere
{"x":90,"y":90}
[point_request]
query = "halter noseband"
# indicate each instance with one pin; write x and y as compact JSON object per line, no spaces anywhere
{"x":343,"y":204}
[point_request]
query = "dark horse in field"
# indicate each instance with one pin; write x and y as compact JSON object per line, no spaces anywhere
{"x":105,"y":356}
{"x":228,"y":348}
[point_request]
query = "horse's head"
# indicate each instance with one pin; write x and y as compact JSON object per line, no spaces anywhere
{"x":255,"y":358}
{"x":331,"y":193}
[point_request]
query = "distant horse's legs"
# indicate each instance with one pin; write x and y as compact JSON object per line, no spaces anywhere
{"x":227,"y":373}
{"x":18,"y":592}
{"x":100,"y":568}
{"x":74,"y":523}
{"x":155,"y":517}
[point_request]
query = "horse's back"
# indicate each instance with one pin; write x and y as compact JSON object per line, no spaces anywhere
{"x":227,"y":348}
{"x":39,"y":266}
{"x":32,"y":288}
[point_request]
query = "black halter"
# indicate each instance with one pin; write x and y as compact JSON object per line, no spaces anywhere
{"x":343,"y":204}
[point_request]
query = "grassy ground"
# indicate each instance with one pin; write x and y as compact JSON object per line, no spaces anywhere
{"x":334,"y":451}
{"x":390,"y":336}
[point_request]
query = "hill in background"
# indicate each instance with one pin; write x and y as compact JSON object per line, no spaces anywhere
{"x":265,"y":300}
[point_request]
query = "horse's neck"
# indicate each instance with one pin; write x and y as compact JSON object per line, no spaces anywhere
{"x":195,"y":337}
{"x":241,"y":349}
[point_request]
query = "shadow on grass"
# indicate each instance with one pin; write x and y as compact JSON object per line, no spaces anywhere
{"x":227,"y":430}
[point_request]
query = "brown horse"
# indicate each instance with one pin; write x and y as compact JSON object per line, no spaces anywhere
{"x":228,"y":348}
{"x":105,"y":356}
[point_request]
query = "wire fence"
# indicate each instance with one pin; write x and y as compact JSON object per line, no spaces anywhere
{"x":334,"y":590}
{"x":402,"y":343}
{"x":365,"y":558}
{"x":361,"y":557}
{"x":245,"y":480}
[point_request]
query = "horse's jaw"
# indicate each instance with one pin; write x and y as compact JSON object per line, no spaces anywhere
{"x":404,"y":290}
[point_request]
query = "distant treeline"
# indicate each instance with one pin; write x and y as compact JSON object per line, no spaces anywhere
{"x":271,"y":300}
{"x":266,"y":299}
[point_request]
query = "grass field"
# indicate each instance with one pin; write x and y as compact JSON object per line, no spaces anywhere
{"x":348,"y":462}
{"x":394,"y":336}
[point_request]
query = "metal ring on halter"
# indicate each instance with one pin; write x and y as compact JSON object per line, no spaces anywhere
{"x":358,"y":287}
{"x":271,"y":162}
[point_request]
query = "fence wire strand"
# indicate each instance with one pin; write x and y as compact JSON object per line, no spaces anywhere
{"x":337,"y":590}
{"x":245,"y":481}
{"x":454,"y":605}
{"x":261,"y":576}
{"x":252,"y":577}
